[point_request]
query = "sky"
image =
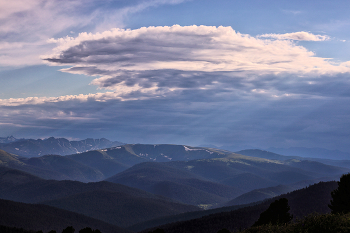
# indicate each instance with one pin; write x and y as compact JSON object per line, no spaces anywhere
{"x":245,"y":74}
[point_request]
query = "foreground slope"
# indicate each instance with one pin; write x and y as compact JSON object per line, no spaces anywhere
{"x":41,"y":217}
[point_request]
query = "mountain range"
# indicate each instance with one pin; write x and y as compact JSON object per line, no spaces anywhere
{"x":137,"y":186}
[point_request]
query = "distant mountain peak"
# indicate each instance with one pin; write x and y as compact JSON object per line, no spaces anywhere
{"x":8,"y":139}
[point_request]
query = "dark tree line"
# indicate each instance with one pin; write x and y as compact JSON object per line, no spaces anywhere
{"x":70,"y":229}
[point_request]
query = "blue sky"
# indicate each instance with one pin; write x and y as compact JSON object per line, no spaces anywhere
{"x":248,"y":74}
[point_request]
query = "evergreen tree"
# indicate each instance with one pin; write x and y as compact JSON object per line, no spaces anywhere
{"x":158,"y":230}
{"x":341,"y":196}
{"x":68,"y":230}
{"x":86,"y":230}
{"x":277,"y":213}
{"x":224,"y":230}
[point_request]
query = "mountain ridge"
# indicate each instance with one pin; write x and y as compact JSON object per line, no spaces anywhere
{"x":51,"y":145}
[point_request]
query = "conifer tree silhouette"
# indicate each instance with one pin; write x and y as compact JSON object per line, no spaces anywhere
{"x":277,"y":213}
{"x":68,"y":230}
{"x":341,"y":196}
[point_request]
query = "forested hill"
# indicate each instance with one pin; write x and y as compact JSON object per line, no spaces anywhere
{"x":314,"y":198}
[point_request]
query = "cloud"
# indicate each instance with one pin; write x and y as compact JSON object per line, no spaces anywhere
{"x":25,"y":25}
{"x":306,"y":36}
{"x":191,"y":85}
{"x":161,"y":60}
{"x":190,"y":117}
{"x":185,"y":48}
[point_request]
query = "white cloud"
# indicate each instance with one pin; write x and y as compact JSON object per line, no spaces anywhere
{"x":163,"y":59}
{"x":306,"y":36}
{"x":201,"y":48}
{"x":166,"y":61}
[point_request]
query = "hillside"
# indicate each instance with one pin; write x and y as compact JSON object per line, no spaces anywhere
{"x":266,"y":154}
{"x":270,"y":155}
{"x":257,"y":195}
{"x":108,"y":161}
{"x":210,"y":182}
{"x":113,"y":203}
{"x":314,"y":198}
{"x":14,"y":161}
{"x":178,"y":184}
{"x":10,"y":178}
{"x":118,"y":208}
{"x":261,"y":194}
{"x":51,"y":167}
{"x":68,"y":168}
{"x":314,"y":223}
{"x":111,"y":161}
{"x":41,"y":217}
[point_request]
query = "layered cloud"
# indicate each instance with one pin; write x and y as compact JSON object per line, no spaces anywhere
{"x":187,"y":48}
{"x":161,"y":60}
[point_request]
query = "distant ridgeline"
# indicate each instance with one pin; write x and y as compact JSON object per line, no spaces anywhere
{"x":55,"y":146}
